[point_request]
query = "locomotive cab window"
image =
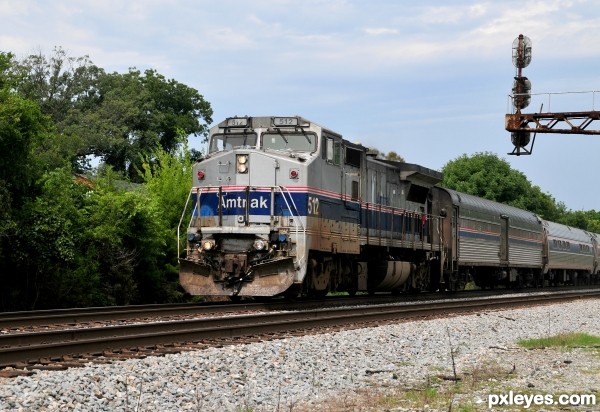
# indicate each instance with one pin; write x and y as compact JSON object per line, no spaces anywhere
{"x":301,"y":142}
{"x":333,"y":150}
{"x":221,"y":142}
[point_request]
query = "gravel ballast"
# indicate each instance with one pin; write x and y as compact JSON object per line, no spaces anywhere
{"x":284,"y":374}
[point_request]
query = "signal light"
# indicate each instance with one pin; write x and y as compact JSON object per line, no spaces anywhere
{"x":294,"y":173}
{"x":201,"y":175}
{"x":520,"y":139}
{"x":521,"y":92}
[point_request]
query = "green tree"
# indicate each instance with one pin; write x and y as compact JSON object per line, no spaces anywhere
{"x":593,"y":221}
{"x":486,"y":175}
{"x":584,"y":219}
{"x":59,"y":83}
{"x":168,"y":180}
{"x":121,"y":239}
{"x":22,"y":130}
{"x":6,"y":64}
{"x":389,"y":156}
{"x":117,"y":117}
{"x":63,"y":87}
{"x":53,"y":271}
{"x":393,"y":156}
{"x":22,"y":127}
{"x":100,"y":240}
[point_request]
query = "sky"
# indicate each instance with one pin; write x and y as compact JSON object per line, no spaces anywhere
{"x":429,"y":80}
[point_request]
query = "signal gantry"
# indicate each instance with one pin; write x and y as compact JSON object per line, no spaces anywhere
{"x":522,"y":125}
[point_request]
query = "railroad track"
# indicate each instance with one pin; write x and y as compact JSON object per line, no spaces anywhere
{"x":22,"y":349}
{"x":10,"y":321}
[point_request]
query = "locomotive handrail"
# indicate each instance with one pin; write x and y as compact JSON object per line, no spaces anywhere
{"x":198,"y":193}
{"x":180,"y":222}
{"x":198,"y":202}
{"x":283,"y":190}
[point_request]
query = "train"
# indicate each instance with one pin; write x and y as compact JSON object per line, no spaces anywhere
{"x":282,"y":206}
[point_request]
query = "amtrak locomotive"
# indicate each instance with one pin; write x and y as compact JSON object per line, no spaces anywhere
{"x":283,"y":206}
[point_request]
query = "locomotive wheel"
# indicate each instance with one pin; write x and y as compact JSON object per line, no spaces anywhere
{"x":319,"y":281}
{"x":434,"y":285}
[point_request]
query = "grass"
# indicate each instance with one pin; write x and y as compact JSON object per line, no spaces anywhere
{"x":563,"y":340}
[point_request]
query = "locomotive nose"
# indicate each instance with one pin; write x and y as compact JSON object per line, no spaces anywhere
{"x":240,"y":167}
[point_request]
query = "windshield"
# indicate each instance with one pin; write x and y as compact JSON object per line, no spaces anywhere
{"x":229,"y":141}
{"x":290,"y":141}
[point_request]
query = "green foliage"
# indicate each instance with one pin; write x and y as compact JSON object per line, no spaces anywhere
{"x":168,"y":180}
{"x":58,"y":83}
{"x":118,"y":117}
{"x":92,"y":243}
{"x":49,"y":245}
{"x":145,"y":111}
{"x":21,"y":126}
{"x":124,"y":238}
{"x":66,"y":240}
{"x":587,"y":220}
{"x":6,"y":63}
{"x":562,"y":340}
{"x":486,"y":175}
{"x":389,"y":156}
{"x":393,"y":156}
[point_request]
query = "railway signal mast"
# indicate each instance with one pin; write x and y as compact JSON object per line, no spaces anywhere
{"x":522,"y":125}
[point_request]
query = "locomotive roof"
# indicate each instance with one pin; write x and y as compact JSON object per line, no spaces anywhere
{"x":411,"y":171}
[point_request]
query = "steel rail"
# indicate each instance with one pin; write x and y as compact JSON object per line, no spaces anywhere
{"x":10,"y":320}
{"x":17,"y":348}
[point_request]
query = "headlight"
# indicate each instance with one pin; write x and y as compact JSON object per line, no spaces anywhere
{"x":260,"y":244}
{"x":242,"y":163}
{"x":208,"y":244}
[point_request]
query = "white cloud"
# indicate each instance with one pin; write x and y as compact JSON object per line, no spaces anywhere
{"x":378,"y":31}
{"x":15,"y":8}
{"x":345,"y":63}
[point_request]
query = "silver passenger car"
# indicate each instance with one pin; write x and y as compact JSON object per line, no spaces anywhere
{"x":487,"y":241}
{"x":570,"y":254}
